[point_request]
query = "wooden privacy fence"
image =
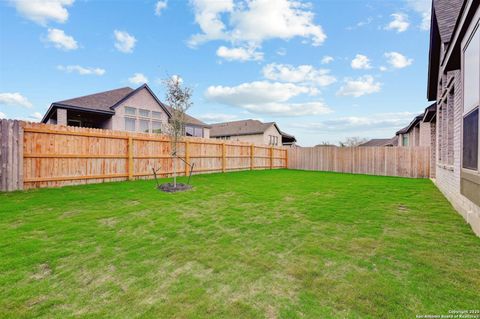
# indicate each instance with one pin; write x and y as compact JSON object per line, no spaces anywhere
{"x":55,"y":155}
{"x":387,"y":161}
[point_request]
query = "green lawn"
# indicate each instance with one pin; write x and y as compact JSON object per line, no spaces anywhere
{"x":264,"y":244}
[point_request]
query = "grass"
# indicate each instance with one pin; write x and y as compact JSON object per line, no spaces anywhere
{"x":264,"y":244}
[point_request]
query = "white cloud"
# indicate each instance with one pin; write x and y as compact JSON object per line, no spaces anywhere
{"x":160,"y":6}
{"x":361,"y":24}
{"x":138,"y":78}
{"x":14,"y":99}
{"x":81,"y":70}
{"x":239,"y":54}
{"x":281,"y":52}
{"x":383,"y":68}
{"x":217,"y":117}
{"x":61,"y":40}
{"x":423,"y":8}
{"x":254,"y":21}
{"x":41,"y":11}
{"x":399,"y":23}
{"x":360,"y":62}
{"x":327,"y":59}
{"x":300,"y":74}
{"x":3,"y":115}
{"x":361,"y":125}
{"x":262,"y":97}
{"x":361,"y":86}
{"x":124,"y":42}
{"x":36,"y":116}
{"x":397,"y":60}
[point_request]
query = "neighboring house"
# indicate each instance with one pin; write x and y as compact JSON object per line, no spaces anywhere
{"x":454,"y":83}
{"x":420,"y":131}
{"x":123,"y":109}
{"x":381,"y":142}
{"x":252,"y":131}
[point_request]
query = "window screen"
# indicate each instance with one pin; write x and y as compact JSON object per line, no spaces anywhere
{"x":470,"y":140}
{"x":189,"y":131}
{"x":144,"y":113}
{"x":130,"y":124}
{"x":156,"y":127}
{"x":198,"y":132}
{"x":130,"y":110}
{"x":144,"y":126}
{"x":405,"y":140}
{"x":157,"y":115}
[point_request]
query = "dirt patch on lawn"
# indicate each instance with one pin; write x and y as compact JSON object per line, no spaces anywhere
{"x":42,"y":272}
{"x":170,"y":188}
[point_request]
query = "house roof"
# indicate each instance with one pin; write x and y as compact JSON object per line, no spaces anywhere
{"x":242,"y":127}
{"x":191,"y":120}
{"x":412,"y":124}
{"x":102,"y":101}
{"x":430,"y":112}
{"x":379,"y":142}
{"x":446,"y":13}
{"x":287,"y":138}
{"x":105,"y":102}
{"x":445,"y":23}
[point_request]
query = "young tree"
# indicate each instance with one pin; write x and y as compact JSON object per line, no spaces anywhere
{"x":178,"y":97}
{"x":352,"y":141}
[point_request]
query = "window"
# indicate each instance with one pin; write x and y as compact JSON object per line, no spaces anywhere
{"x":156,"y":127}
{"x":470,"y":140}
{"x":189,"y":131}
{"x":144,"y":113}
{"x":471,"y":100}
{"x":404,"y":140}
{"x":144,"y":125}
{"x":157,"y":115}
{"x":130,"y":111}
{"x":129,"y":124}
{"x":198,"y":132}
{"x":471,"y":74}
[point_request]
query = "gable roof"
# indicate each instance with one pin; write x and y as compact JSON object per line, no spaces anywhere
{"x":446,"y":13}
{"x":242,"y":127}
{"x":449,"y":22}
{"x":379,"y":142}
{"x":102,"y":101}
{"x":412,"y":124}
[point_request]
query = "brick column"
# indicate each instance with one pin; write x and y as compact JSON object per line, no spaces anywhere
{"x":61,"y":116}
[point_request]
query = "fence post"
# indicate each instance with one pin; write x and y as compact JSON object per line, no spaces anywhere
{"x":223,"y":157}
{"x":130,"y":158}
{"x":271,"y":157}
{"x":252,"y":151}
{"x":187,"y":158}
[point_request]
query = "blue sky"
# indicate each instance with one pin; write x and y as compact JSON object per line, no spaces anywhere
{"x":323,"y":70}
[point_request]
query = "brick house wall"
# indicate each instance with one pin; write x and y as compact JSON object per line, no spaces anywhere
{"x":448,"y":168}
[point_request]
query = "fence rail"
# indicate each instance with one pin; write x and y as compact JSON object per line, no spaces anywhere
{"x":386,"y":161}
{"x":59,"y":155}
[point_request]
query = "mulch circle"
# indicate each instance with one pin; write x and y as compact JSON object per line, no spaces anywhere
{"x":169,"y":188}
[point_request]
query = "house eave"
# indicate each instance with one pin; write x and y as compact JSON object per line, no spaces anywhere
{"x":72,"y":107}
